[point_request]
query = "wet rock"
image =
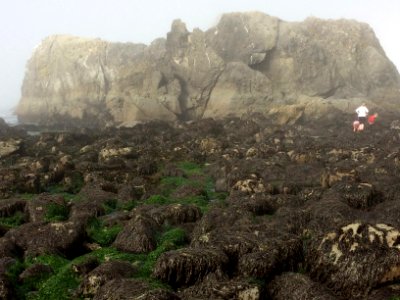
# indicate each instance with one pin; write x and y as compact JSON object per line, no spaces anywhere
{"x":188,"y":191}
{"x":138,"y":235}
{"x":35,"y":271}
{"x":72,"y":182}
{"x":386,"y":292}
{"x":130,"y":192}
{"x":86,"y":266}
{"x":395,"y":125}
{"x":361,"y":195}
{"x":250,"y":186}
{"x":232,"y":231}
{"x":131,"y":289}
{"x":6,"y":288}
{"x":275,"y":257}
{"x":176,"y":214}
{"x":18,"y":179}
{"x":329,"y":212}
{"x":102,"y":274}
{"x":146,"y":166}
{"x":9,"y":147}
{"x":3,"y":229}
{"x":386,"y":212}
{"x":330,"y":177}
{"x":6,"y":263}
{"x":262,"y":204}
{"x":48,"y":238}
{"x":82,"y":212}
{"x":39,"y":208}
{"x":9,"y":207}
{"x":8,"y":248}
{"x":219,"y":218}
{"x":97,"y":189}
{"x":294,"y":286}
{"x":8,"y":180}
{"x":115,"y":218}
{"x":356,"y":258}
{"x":209,"y":146}
{"x":159,"y":294}
{"x":187,"y":266}
{"x":212,"y":288}
{"x":172,"y":170}
{"x":29,"y":183}
{"x":109,"y":153}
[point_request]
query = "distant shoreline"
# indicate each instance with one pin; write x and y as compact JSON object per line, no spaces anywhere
{"x":9,"y":117}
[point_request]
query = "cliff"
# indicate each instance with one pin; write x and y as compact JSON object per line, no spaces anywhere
{"x":249,"y":62}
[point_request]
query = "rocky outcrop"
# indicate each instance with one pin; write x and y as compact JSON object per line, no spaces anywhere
{"x":249,"y":62}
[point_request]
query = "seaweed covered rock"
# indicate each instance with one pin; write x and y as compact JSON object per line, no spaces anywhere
{"x":320,"y":202}
{"x":131,"y":289}
{"x":104,"y":273}
{"x":40,"y":238}
{"x":7,"y":290}
{"x":294,"y":286}
{"x":44,"y":206}
{"x":189,"y":265}
{"x":35,"y":271}
{"x":273,"y":258}
{"x":356,"y":258}
{"x":360,"y":195}
{"x":214,"y":288}
{"x":9,"y":207}
{"x":138,"y":235}
{"x":176,"y":214}
{"x":8,"y":147}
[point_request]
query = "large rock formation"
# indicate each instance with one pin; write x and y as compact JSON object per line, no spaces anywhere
{"x":248,"y":62}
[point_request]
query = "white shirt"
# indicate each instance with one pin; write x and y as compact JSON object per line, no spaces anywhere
{"x":362,"y":111}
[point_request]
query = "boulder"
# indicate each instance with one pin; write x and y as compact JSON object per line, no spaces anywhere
{"x":293,"y":286}
{"x":7,"y":290}
{"x":131,"y":289}
{"x":9,"y":147}
{"x":41,"y":238}
{"x":274,"y":258}
{"x":34,"y":272}
{"x":38,"y":209}
{"x":99,"y":276}
{"x":249,"y":62}
{"x":138,"y":235}
{"x":189,"y":265}
{"x":356,"y":258}
{"x":212,"y":288}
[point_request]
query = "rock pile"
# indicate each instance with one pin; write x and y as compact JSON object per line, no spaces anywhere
{"x":237,"y":208}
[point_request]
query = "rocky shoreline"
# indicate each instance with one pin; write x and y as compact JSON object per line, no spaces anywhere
{"x":237,"y":208}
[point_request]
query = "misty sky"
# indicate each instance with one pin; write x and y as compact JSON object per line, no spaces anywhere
{"x":25,"y":23}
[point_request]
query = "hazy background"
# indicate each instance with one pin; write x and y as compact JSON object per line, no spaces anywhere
{"x":25,"y":23}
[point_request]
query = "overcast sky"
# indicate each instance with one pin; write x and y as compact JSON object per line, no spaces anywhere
{"x":25,"y":23}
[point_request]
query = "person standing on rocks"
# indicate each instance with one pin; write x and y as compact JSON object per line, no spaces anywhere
{"x":362,"y":113}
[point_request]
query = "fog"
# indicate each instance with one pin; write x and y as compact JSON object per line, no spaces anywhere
{"x":25,"y":23}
